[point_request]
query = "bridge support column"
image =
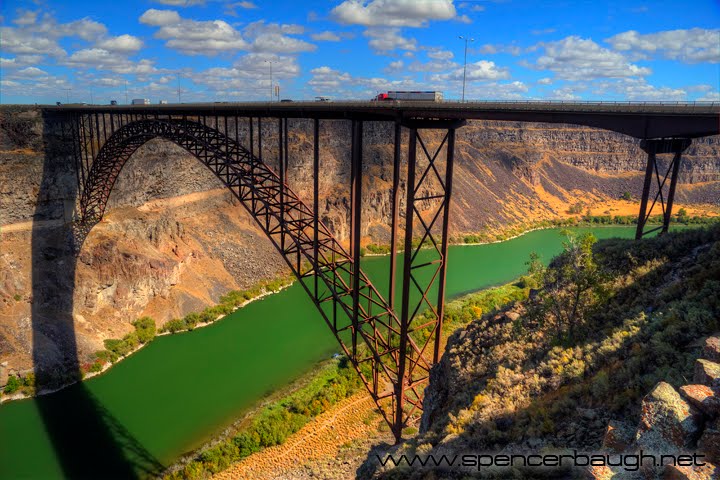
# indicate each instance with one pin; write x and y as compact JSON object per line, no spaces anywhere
{"x":653,"y":147}
{"x":426,"y":230}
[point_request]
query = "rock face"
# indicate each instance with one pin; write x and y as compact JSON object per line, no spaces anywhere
{"x":174,"y":240}
{"x":668,"y":423}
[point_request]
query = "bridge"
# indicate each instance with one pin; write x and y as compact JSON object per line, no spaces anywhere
{"x":391,"y":344}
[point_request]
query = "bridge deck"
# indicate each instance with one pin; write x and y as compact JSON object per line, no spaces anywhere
{"x":639,"y":120}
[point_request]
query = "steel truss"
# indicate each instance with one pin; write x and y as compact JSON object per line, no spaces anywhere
{"x":653,"y":147}
{"x":392,"y":352}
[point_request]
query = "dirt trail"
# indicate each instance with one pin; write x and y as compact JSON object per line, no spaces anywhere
{"x":319,"y":439}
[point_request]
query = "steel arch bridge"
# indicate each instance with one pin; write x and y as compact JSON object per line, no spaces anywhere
{"x":392,"y":348}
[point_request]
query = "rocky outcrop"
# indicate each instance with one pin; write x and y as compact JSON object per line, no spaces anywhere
{"x":672,"y":423}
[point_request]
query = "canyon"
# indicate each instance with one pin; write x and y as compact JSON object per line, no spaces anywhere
{"x":174,"y":239}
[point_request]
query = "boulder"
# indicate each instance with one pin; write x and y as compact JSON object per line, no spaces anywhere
{"x":703,"y":398}
{"x":707,"y":373}
{"x":711,"y":349}
{"x":705,"y":472}
{"x":618,"y":436}
{"x":668,"y":423}
{"x":709,"y":443}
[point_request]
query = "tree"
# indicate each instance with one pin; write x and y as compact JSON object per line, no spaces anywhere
{"x":682,"y":216}
{"x":573,"y":283}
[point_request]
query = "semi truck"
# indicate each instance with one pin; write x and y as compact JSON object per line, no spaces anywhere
{"x":141,"y":101}
{"x":416,"y":96}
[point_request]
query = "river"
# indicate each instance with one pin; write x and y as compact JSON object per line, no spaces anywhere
{"x":175,"y":394}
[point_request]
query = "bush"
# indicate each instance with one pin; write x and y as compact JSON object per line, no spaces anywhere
{"x":145,"y":329}
{"x":13,"y":385}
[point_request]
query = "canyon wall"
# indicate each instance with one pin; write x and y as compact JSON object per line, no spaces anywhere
{"x":174,"y":239}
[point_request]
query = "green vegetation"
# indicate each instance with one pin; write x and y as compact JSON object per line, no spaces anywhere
{"x":608,"y":321}
{"x":25,"y":385}
{"x":228,"y":303}
{"x":117,"y":348}
{"x":585,"y":220}
{"x":335,"y":381}
{"x":376,"y":249}
{"x":17,"y":297}
{"x":576,"y":208}
{"x":626,"y":196}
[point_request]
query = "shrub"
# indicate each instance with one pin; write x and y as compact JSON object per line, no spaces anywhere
{"x":145,"y":329}
{"x":13,"y":385}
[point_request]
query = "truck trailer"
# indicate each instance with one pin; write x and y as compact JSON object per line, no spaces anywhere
{"x":141,"y":101}
{"x":416,"y":96}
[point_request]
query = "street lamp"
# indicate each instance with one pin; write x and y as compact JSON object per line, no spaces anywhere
{"x":271,"y":78}
{"x":465,"y":63}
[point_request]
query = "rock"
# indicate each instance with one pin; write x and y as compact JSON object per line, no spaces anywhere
{"x":512,"y":316}
{"x":709,"y":443}
{"x":707,"y":373}
{"x":600,"y":473}
{"x":705,"y":472}
{"x":534,"y":442}
{"x":618,"y":436}
{"x":711,"y":349}
{"x":668,"y":423}
{"x":4,"y":374}
{"x":703,"y":398}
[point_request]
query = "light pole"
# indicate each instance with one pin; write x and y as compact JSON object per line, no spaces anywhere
{"x":271,"y":79}
{"x":67,"y":95}
{"x":465,"y":63}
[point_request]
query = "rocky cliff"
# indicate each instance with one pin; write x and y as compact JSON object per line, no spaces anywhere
{"x":174,"y":240}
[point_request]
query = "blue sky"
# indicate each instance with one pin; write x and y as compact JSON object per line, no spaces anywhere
{"x":221,"y":50}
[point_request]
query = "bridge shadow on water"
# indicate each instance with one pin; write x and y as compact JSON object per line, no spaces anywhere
{"x":87,"y":440}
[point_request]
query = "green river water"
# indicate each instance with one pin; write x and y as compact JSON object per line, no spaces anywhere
{"x":172,"y":396}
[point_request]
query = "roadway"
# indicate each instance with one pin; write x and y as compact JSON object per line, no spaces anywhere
{"x":636,"y":119}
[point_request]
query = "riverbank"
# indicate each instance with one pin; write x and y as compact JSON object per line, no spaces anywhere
{"x":91,"y":370}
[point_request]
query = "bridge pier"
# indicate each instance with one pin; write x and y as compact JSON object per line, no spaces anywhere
{"x":653,"y":147}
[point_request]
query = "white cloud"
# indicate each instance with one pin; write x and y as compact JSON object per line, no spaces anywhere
{"x":545,"y":81}
{"x":388,"y":39}
{"x":395,"y":66}
{"x":393,"y":13}
{"x":159,"y":18}
{"x":193,"y":37}
{"x":327,"y":78}
{"x":27,"y":42}
{"x":439,"y":54}
{"x":85,"y":28}
{"x":489,"y":49}
{"x":710,"y":97}
{"x":101,"y":59}
{"x":481,"y":70}
{"x":326,"y":36}
{"x":274,"y":38}
{"x":564,"y":93}
{"x":29,"y":72}
{"x":639,"y":89}
{"x":695,"y":45}
{"x":26,"y":18}
{"x":122,"y":43}
{"x":575,"y":58}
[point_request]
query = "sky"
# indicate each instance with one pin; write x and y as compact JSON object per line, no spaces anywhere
{"x":229,"y":50}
